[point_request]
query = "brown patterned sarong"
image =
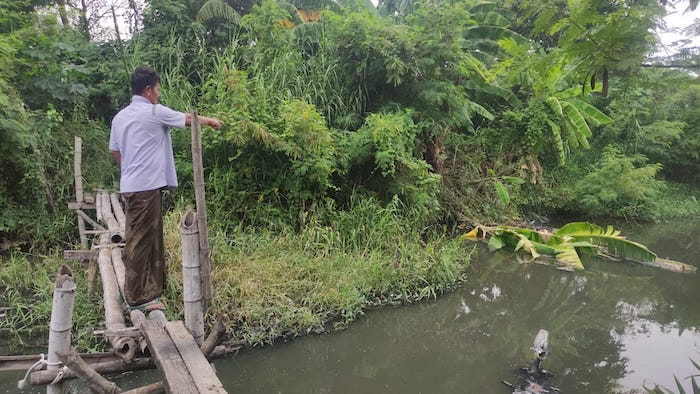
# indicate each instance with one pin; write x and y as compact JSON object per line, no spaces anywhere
{"x":144,"y":252}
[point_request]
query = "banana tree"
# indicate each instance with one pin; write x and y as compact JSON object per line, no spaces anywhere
{"x":549,"y":98}
{"x":564,"y":246}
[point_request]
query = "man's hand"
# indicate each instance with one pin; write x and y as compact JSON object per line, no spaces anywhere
{"x":211,"y":122}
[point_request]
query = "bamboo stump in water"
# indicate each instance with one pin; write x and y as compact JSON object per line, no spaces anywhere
{"x":61,"y":322}
{"x":191,"y":282}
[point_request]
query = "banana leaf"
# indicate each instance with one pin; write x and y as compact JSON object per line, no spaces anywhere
{"x":566,"y":244}
{"x":539,"y":243}
{"x":616,"y":245}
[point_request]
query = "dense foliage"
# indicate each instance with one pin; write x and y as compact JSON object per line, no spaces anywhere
{"x":471,"y":112}
{"x":444,"y":113}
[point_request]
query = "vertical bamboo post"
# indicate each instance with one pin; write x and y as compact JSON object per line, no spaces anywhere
{"x":61,"y":322}
{"x":79,"y":196}
{"x":204,"y":252}
{"x":191,"y":282}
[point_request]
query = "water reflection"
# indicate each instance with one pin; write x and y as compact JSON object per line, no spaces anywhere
{"x":649,"y":348}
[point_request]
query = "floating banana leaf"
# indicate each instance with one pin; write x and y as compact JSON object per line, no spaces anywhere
{"x":536,"y":244}
{"x":616,"y":245}
{"x":566,"y":244}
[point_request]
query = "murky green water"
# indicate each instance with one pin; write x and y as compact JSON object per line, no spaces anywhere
{"x":613,"y":324}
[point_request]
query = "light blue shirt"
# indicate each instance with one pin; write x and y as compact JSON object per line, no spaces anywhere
{"x":140,"y":132}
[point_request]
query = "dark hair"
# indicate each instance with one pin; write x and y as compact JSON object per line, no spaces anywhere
{"x":143,"y":77}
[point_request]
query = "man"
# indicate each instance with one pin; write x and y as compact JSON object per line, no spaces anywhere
{"x":140,"y":143}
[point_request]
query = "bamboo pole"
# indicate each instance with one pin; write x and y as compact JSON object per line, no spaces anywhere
{"x":116,"y":236}
{"x":118,"y":211}
{"x":89,"y":220}
{"x":204,"y":251}
{"x":61,"y":322}
{"x":98,"y":205}
{"x":138,"y":317}
{"x":191,"y":282}
{"x":87,"y":374}
{"x":113,"y":224}
{"x":40,"y":378}
{"x":77,"y":170}
{"x":119,"y":268}
{"x":44,"y":377}
{"x":79,"y":197}
{"x":125,"y":347}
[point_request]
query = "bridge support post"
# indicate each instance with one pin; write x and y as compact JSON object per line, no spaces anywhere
{"x":61,"y":322}
{"x":191,"y":283}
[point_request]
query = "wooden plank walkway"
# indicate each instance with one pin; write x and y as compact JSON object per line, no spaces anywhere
{"x":182,"y":365}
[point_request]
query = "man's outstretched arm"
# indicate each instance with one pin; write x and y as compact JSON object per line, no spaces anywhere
{"x":211,"y":122}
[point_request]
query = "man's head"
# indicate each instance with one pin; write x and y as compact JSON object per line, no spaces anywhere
{"x":146,"y":82}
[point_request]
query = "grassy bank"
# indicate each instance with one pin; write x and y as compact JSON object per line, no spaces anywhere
{"x":271,"y":285}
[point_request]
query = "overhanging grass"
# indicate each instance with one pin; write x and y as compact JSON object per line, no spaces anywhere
{"x":293,"y":283}
{"x":271,"y":285}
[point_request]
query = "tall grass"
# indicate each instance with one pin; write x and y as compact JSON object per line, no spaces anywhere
{"x":290,"y":283}
{"x":677,"y":201}
{"x":26,"y":289}
{"x":269,"y":284}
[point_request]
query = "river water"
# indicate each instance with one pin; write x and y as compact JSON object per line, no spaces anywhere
{"x":614,"y":327}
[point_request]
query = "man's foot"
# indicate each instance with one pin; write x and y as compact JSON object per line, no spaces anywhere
{"x":146,"y":307}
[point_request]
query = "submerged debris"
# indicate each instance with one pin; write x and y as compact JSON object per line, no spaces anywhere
{"x":534,"y":378}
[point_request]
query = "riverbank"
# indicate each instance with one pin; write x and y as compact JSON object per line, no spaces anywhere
{"x":272,"y":285}
{"x":268,"y":285}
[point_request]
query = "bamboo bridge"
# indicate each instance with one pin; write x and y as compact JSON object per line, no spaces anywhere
{"x":179,"y":350}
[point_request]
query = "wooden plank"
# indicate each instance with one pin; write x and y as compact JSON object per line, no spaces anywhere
{"x":80,"y":205}
{"x":176,"y":376}
{"x":83,"y":255}
{"x":123,"y":332}
{"x":202,"y":373}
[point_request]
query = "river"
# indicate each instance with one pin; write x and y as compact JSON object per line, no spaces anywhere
{"x":614,"y":327}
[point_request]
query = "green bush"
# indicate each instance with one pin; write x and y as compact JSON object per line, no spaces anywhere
{"x":618,"y":187}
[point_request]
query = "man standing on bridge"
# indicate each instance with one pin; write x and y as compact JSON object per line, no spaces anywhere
{"x":140,"y":143}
